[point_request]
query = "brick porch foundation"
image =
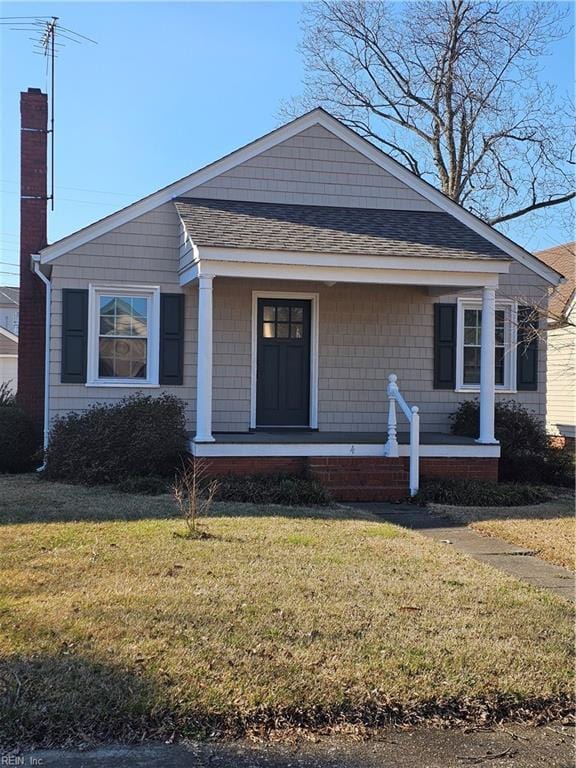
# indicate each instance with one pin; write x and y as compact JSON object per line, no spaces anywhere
{"x":562,"y":442}
{"x":358,"y":478}
{"x":258,"y":465}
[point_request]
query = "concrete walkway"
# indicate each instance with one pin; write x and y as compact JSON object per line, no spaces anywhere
{"x":507,"y":557}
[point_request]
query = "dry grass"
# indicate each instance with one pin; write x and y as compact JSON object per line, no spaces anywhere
{"x":117,"y":629}
{"x":549,"y":530}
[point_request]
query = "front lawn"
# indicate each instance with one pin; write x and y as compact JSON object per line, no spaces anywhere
{"x":549,"y":529}
{"x":113,"y":628}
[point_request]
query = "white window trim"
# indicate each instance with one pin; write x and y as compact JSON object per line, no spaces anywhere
{"x":152,"y":293}
{"x":510,"y":342}
{"x":314,"y":300}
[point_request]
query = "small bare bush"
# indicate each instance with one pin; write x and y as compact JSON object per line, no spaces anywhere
{"x":7,"y":396}
{"x":194,"y":493}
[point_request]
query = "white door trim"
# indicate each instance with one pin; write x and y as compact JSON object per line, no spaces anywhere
{"x":314,"y":300}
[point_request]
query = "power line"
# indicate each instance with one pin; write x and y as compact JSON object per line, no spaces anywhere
{"x":82,"y":189}
{"x":111,"y":203}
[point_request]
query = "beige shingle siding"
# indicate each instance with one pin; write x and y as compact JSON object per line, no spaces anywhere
{"x":314,"y":168}
{"x":142,"y":252}
{"x":232,"y":355}
{"x":561,"y":392}
{"x":366,"y":332}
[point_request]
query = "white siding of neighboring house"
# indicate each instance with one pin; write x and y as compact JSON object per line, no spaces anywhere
{"x":8,"y":362}
{"x":9,"y":318}
{"x":561,"y":392}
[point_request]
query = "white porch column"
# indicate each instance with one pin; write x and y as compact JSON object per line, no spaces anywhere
{"x":204,"y":362}
{"x":487,"y":362}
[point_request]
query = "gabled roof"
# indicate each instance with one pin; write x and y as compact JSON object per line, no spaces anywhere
{"x":330,"y":229}
{"x":316,"y":116}
{"x":8,"y":334}
{"x":562,"y":258}
{"x":9,"y":295}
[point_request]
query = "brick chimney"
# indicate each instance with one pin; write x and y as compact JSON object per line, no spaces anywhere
{"x":33,"y":237}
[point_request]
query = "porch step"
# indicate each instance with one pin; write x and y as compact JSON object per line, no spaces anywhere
{"x":362,"y":479}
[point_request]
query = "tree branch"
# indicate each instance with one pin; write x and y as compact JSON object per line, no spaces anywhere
{"x":533,"y":207}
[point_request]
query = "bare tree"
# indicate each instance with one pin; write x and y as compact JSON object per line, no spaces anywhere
{"x":451,"y":89}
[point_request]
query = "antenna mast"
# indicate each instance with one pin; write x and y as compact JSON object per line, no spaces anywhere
{"x":48,"y":46}
{"x":48,"y":42}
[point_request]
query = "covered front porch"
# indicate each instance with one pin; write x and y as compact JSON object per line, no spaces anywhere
{"x":324,"y":340}
{"x":311,"y":377}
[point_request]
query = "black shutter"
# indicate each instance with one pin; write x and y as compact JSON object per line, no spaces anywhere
{"x":171,"y":338}
{"x":527,"y":350}
{"x":444,"y":346}
{"x":74,"y":335}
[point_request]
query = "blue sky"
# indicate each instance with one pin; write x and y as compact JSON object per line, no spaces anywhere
{"x":168,"y":88}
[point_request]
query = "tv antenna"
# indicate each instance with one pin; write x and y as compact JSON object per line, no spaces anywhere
{"x":48,"y":35}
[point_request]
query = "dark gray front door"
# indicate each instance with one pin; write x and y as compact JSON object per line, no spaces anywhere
{"x":283,"y":363}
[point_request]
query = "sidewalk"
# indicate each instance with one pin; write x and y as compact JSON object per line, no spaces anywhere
{"x":509,"y":558}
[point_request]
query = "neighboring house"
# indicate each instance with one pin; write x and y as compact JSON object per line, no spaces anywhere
{"x":276,"y":290}
{"x":9,"y":336}
{"x":561,"y":344}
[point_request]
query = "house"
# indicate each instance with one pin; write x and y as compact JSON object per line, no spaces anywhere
{"x":9,"y":336}
{"x":561,"y":346}
{"x":310,"y":300}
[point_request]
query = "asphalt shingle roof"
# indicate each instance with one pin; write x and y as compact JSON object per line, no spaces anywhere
{"x":562,"y":258}
{"x":327,"y":229}
{"x":9,"y":295}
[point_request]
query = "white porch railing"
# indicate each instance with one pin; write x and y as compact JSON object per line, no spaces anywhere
{"x":411,"y":413}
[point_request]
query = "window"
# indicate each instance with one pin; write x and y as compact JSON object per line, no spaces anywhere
{"x":469,"y":345}
{"x":282,"y":322}
{"x":123,"y":342}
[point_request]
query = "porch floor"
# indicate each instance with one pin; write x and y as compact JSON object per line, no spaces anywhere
{"x":309,"y":437}
{"x":296,"y":442}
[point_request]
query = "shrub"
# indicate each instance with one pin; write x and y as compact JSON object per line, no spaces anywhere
{"x":555,"y":466}
{"x":18,"y":442}
{"x":272,"y":489}
{"x":139,"y":436}
{"x":476,"y":493}
{"x":526,"y":456}
{"x":559,"y":467}
{"x":518,"y":430}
